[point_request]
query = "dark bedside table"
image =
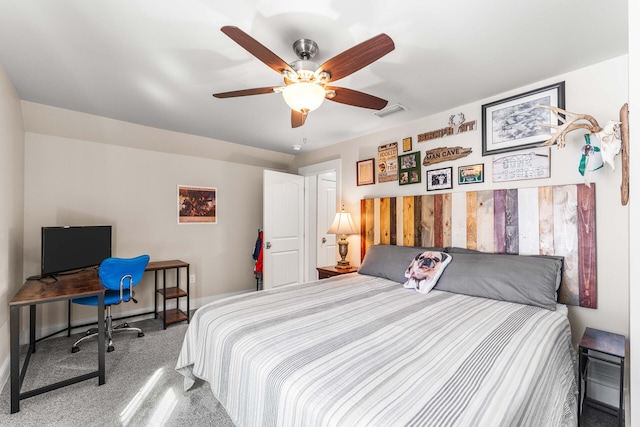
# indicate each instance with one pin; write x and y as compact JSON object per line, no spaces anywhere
{"x":594,"y":340}
{"x":324,"y":272}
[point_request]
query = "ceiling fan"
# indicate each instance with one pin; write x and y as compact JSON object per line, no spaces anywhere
{"x":306,"y":83}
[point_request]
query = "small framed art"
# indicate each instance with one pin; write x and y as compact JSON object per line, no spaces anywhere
{"x":440,"y":179}
{"x":197,"y":205}
{"x":406,"y":144}
{"x":365,"y":171}
{"x":409,"y":168}
{"x":530,"y":164}
{"x":471,"y":174}
{"x":512,"y":123}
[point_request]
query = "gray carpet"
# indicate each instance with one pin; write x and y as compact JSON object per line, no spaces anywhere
{"x":130,"y":373}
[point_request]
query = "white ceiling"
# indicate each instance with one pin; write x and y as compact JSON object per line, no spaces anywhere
{"x":157,"y":62}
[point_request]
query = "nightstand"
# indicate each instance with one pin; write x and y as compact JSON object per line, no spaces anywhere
{"x":608,"y":348}
{"x":324,"y":272}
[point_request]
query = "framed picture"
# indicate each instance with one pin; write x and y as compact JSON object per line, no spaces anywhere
{"x":409,"y":168}
{"x":406,"y":144}
{"x":511,"y":124}
{"x":388,"y":162}
{"x":197,"y":205}
{"x":530,"y":164}
{"x":471,"y":174}
{"x":439,"y":179}
{"x":365,"y":172}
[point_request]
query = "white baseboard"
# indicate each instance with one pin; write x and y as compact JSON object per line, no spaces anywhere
{"x":49,"y":329}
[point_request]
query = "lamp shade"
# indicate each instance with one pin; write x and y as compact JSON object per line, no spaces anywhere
{"x":342,"y":224}
{"x":303,"y":97}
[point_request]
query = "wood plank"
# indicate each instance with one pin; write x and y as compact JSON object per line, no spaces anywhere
{"x":511,"y":222}
{"x":437,"y":220}
{"x":376,"y":221}
{"x":399,"y":221}
{"x":587,"y":245}
{"x":393,"y":221}
{"x":472,"y":225}
{"x":459,"y":219}
{"x":484,"y":219}
{"x":408,"y":220}
{"x":427,"y":221}
{"x":366,"y":226}
{"x":385,"y":220}
{"x":565,"y":238}
{"x":545,"y":216}
{"x":499,"y":221}
{"x":528,"y":226}
{"x":417,"y":220}
{"x":446,"y":219}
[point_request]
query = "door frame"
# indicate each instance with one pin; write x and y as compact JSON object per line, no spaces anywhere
{"x":310,"y":174}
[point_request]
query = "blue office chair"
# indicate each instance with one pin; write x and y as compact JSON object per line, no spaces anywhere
{"x":118,"y":276}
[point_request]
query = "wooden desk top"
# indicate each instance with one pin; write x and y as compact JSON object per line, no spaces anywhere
{"x":163,"y":265}
{"x":80,"y":284}
{"x":604,"y":342}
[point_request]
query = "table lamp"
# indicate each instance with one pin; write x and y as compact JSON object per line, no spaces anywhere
{"x":342,"y":225}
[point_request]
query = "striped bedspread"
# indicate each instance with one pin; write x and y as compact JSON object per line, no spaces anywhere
{"x":358,"y":350}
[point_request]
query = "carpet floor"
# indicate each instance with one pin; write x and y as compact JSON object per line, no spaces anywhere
{"x":142,"y":387}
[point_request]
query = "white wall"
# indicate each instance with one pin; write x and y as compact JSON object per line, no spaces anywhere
{"x":599,"y":90}
{"x":634,"y":212}
{"x":11,"y":208}
{"x":82,"y":182}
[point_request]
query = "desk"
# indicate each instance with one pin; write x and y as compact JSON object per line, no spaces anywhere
{"x":33,"y":292}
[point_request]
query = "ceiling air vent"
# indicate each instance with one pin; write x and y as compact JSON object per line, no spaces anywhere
{"x":392,"y":109}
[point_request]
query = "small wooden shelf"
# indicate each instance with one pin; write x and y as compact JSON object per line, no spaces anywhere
{"x":173,"y":315}
{"x":173,"y":292}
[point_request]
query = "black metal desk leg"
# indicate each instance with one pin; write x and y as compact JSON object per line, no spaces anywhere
{"x":32,"y":328}
{"x":155,"y":277}
{"x":164,"y":298}
{"x":101,"y":339}
{"x":14,"y":338}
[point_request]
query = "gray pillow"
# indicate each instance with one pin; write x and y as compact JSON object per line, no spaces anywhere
{"x":390,"y":261}
{"x":527,"y":280}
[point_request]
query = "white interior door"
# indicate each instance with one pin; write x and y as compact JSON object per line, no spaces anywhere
{"x":326,"y":211}
{"x":283,"y":235}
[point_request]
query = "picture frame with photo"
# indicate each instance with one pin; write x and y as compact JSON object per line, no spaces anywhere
{"x":440,"y":179}
{"x":471,"y":174}
{"x":409,"y":165}
{"x":365,"y":172}
{"x":512,"y":123}
{"x":197,"y":205}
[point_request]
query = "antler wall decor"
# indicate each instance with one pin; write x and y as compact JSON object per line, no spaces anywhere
{"x":614,"y":138}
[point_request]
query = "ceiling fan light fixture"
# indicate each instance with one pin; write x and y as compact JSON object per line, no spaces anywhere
{"x":303,"y":97}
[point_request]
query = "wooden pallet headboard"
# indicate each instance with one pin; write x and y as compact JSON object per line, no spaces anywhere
{"x":558,"y":220}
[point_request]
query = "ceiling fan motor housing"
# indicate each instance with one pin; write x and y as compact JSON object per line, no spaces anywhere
{"x":305,"y":48}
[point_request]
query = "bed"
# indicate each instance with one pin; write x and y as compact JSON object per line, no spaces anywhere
{"x":487,"y":346}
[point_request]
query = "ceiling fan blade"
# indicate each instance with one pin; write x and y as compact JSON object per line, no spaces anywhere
{"x":359,"y":56}
{"x":255,"y":48}
{"x":357,"y":99}
{"x":297,"y":118}
{"x":246,"y":92}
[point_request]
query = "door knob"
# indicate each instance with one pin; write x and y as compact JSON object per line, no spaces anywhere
{"x":324,"y":240}
{"x":267,"y":245}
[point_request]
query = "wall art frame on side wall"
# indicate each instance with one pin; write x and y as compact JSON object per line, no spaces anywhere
{"x":511,"y":124}
{"x":440,"y":179}
{"x":365,"y":172}
{"x":409,"y":168}
{"x":534,"y":163}
{"x":471,"y":174}
{"x":197,"y":205}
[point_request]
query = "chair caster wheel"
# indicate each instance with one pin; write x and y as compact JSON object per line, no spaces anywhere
{"x":140,"y":334}
{"x":110,"y":349}
{"x":75,"y":349}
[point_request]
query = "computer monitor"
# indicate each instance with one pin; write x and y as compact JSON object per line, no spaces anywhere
{"x":71,"y":248}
